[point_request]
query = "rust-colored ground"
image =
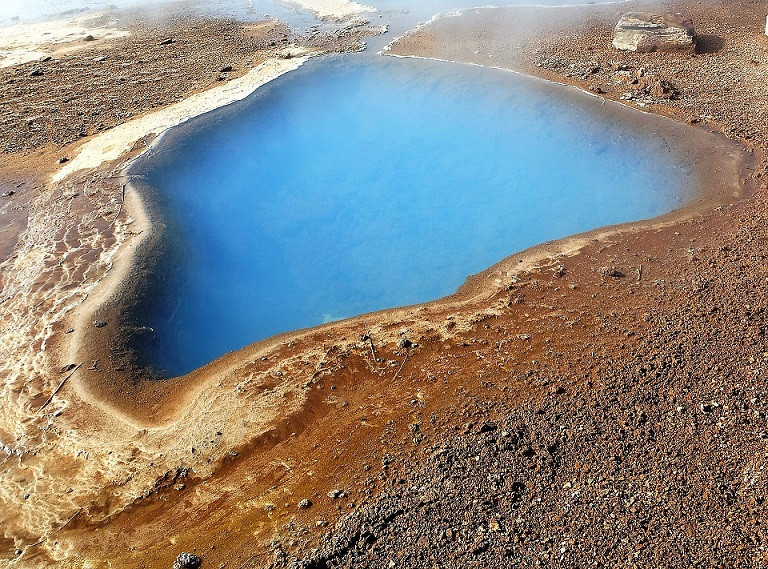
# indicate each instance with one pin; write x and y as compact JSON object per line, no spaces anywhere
{"x":597,"y":401}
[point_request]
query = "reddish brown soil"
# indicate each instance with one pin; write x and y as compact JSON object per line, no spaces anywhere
{"x":573,"y":416}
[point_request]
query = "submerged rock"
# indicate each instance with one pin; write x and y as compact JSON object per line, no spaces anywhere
{"x":647,"y":31}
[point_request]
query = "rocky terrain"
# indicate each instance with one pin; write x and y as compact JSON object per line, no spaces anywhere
{"x":58,"y":101}
{"x":598,"y":406}
{"x":635,"y":435}
{"x":57,"y":240}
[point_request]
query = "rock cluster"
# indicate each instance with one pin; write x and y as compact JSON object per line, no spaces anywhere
{"x":646,"y":31}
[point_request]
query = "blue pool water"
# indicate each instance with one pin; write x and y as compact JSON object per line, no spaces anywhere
{"x":13,"y":11}
{"x":356,"y":185}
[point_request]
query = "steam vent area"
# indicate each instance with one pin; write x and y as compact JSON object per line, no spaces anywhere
{"x":393,"y":284}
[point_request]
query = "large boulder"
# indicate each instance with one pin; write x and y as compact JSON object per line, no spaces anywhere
{"x":647,"y":31}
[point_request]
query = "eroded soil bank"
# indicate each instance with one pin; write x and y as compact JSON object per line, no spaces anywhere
{"x":593,"y":402}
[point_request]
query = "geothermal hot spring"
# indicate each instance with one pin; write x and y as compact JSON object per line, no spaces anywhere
{"x":363,"y":182}
{"x":358,"y":184}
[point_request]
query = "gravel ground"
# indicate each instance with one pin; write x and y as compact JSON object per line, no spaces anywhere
{"x":64,"y":99}
{"x":638,"y":439}
{"x":579,"y":416}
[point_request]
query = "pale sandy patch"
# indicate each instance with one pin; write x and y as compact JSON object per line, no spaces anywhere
{"x":112,"y":144}
{"x":333,"y":10}
{"x":21,"y":43}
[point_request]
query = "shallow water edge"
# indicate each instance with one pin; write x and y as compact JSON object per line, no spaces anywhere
{"x":719,"y":167}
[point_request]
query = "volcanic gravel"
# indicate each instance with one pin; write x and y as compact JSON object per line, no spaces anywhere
{"x":637,"y":437}
{"x":598,"y":415}
{"x":62,"y":99}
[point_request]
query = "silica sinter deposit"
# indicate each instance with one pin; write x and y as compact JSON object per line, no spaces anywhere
{"x":353,"y":185}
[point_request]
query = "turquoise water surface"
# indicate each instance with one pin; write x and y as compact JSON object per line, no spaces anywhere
{"x":351,"y":186}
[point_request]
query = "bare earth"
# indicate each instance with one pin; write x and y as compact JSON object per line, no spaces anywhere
{"x":591,"y":402}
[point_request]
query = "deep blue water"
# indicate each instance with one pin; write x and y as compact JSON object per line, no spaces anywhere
{"x":356,"y":185}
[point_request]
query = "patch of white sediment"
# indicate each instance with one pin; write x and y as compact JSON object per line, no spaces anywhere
{"x":333,"y":10}
{"x":112,"y":144}
{"x":22,"y":43}
{"x":64,"y":451}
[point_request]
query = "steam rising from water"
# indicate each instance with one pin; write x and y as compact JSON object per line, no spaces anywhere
{"x":51,"y":460}
{"x":12,"y":11}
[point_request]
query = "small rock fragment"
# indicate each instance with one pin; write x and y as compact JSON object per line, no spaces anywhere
{"x":664,"y":90}
{"x":305,"y":503}
{"x":187,"y":560}
{"x":99,"y":323}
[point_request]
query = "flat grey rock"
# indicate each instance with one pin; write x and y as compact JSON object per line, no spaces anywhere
{"x":647,"y":31}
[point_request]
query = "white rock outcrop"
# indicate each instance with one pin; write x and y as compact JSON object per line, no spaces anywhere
{"x":648,"y":31}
